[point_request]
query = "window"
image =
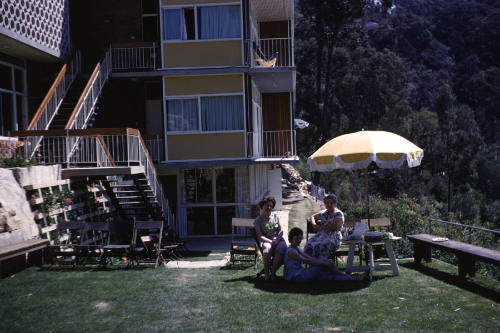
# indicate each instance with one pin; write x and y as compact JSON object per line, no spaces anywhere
{"x":216,"y":114}
{"x":182,"y":115}
{"x":213,"y":22}
{"x":211,"y":197}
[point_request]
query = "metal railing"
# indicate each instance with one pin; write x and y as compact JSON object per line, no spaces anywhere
{"x":271,"y":144}
{"x":155,"y":147}
{"x":52,"y":101}
{"x":99,"y":148}
{"x":86,"y":103}
{"x":134,"y":57}
{"x":261,"y":52}
{"x":467,"y":232}
{"x":317,"y":192}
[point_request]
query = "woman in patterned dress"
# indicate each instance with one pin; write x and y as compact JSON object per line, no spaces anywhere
{"x":327,"y":224}
{"x":270,"y":235}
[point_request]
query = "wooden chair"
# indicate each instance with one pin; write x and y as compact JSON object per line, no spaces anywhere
{"x":146,"y":242}
{"x":119,"y":242}
{"x":243,"y":248}
{"x":379,"y":224}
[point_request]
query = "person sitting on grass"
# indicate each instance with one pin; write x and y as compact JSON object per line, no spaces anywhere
{"x":321,"y":269}
{"x":270,"y":235}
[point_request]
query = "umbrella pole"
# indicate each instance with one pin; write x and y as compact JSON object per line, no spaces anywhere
{"x":367,"y":197}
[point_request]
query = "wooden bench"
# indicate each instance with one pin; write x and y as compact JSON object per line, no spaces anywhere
{"x":33,"y":247}
{"x":467,"y":254}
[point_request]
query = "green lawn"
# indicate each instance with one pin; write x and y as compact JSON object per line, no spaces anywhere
{"x":231,"y":299}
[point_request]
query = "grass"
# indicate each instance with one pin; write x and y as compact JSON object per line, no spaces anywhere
{"x":231,"y":299}
{"x":426,"y":298}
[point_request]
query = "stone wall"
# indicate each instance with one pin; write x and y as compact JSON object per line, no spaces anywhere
{"x":16,"y":219}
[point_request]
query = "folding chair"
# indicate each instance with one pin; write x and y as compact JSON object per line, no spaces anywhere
{"x":119,"y":242}
{"x":96,"y":238}
{"x":382,"y":223}
{"x":146,"y":242}
{"x":65,"y":245}
{"x":243,"y":247}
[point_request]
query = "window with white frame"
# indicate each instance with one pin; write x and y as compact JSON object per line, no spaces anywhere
{"x":201,"y":22}
{"x":211,"y":197}
{"x":205,"y":114}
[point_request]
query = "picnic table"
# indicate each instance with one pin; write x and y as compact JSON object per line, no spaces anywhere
{"x":393,"y":265}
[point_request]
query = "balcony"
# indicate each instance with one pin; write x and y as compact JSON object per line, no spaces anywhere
{"x":134,"y":57}
{"x":269,"y":53}
{"x":272,"y":144}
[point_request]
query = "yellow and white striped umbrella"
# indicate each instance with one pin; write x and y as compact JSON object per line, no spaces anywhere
{"x":358,"y":150}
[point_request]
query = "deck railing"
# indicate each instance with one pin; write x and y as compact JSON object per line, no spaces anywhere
{"x":100,"y":148}
{"x":261,"y":52}
{"x":127,"y":57}
{"x":271,"y":144}
{"x":86,"y":103}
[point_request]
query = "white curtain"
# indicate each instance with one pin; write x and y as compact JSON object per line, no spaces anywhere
{"x":219,"y":22}
{"x":182,"y":115}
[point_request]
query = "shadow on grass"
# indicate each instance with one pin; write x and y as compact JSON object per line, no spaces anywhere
{"x":90,"y":268}
{"x":454,"y":280}
{"x":313,"y":288}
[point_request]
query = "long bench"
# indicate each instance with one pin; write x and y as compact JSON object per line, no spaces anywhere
{"x":8,"y":253}
{"x":467,"y":254}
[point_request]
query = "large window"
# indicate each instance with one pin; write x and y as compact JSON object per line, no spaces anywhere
{"x":12,"y":98}
{"x":205,"y":114}
{"x":211,"y":197}
{"x":201,"y":23}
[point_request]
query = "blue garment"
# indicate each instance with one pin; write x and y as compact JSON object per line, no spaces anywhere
{"x":295,"y":272}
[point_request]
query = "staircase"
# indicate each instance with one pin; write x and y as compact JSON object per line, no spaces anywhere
{"x":68,"y":104}
{"x":134,"y":197}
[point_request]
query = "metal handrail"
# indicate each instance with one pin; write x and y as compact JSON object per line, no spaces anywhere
{"x":86,"y":103}
{"x":496,"y":232}
{"x":52,"y":101}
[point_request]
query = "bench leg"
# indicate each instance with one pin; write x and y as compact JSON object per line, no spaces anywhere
{"x":421,"y":251}
{"x":466,"y":266}
{"x":392,"y":257}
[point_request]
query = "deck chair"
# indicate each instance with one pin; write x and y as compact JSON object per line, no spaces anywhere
{"x":243,"y":248}
{"x":261,"y":59}
{"x":69,"y":236}
{"x":146,"y":242}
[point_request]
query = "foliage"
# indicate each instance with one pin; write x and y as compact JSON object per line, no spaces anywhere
{"x":57,"y":199}
{"x":428,"y":70}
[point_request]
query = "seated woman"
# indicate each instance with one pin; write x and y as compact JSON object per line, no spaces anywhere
{"x":270,"y":234}
{"x":328,"y":224}
{"x":320,"y":269}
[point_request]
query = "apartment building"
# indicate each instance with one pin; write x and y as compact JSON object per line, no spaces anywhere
{"x":210,"y":85}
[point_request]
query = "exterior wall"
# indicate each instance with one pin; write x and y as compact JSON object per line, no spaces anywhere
{"x":43,"y":25}
{"x":207,"y":84}
{"x":203,"y":146}
{"x":202,"y":53}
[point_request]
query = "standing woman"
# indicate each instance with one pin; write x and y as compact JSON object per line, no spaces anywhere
{"x":327,"y":224}
{"x":270,"y":235}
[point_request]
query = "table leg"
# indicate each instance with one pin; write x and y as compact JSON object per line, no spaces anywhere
{"x":371,"y":261}
{"x":390,"y":253}
{"x":350,"y":258}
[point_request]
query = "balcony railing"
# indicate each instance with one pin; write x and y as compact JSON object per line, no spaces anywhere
{"x":273,"y":144}
{"x":270,"y":52}
{"x":155,"y":145}
{"x":134,"y":57}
